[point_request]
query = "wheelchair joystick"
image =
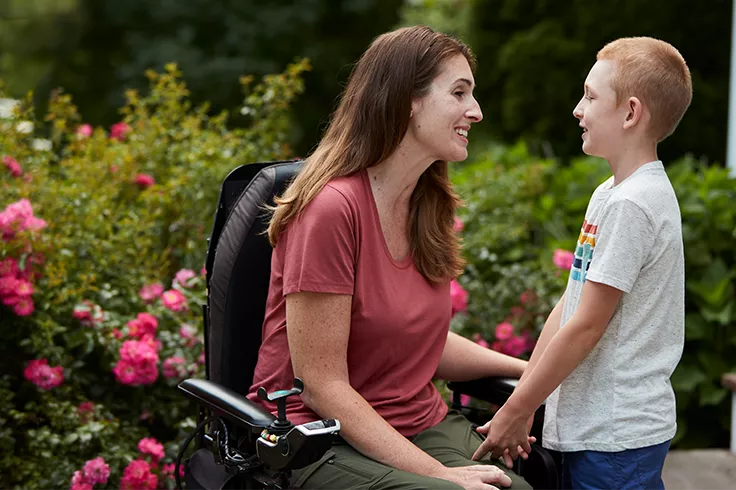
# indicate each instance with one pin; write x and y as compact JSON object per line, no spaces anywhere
{"x":281,"y":425}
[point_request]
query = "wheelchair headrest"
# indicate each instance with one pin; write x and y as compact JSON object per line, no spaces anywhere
{"x":239,"y":269}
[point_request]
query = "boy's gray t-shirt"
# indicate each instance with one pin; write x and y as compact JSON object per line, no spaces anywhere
{"x":620,"y":396}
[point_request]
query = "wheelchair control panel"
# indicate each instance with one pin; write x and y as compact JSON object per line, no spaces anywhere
{"x":285,"y":446}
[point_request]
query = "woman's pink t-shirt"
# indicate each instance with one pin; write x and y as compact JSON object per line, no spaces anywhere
{"x":399,"y":320}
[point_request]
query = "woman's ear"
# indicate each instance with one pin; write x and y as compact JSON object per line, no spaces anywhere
{"x":634,"y":113}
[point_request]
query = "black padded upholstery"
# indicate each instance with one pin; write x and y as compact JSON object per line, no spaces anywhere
{"x":238,"y":271}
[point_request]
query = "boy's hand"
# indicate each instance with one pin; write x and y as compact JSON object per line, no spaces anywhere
{"x":506,"y":431}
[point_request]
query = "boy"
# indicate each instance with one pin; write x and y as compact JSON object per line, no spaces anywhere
{"x":609,"y":347}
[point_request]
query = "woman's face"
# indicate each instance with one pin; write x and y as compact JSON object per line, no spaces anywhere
{"x":441,"y":119}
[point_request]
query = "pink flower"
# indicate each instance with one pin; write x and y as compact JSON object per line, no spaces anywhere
{"x":149,"y":445}
{"x":465,"y":400}
{"x":84,"y":131}
{"x":151,"y":292}
{"x":203,"y":271}
{"x":458,"y":225}
{"x":189,"y":334}
{"x":88,"y":313}
{"x":77,"y":478}
{"x":504,"y":331}
{"x":480,"y":341}
{"x":529,"y":340}
{"x":175,"y":367}
{"x":200,"y":359}
{"x":12,"y":165}
{"x":84,"y":410}
{"x":42,"y":375}
{"x":174,"y":300}
{"x":24,"y":306}
{"x":138,"y":364}
{"x":168,"y":470}
{"x":183,"y":276}
{"x":527,"y":297}
{"x":144,"y":180}
{"x":138,"y":476}
{"x":515,"y":346}
{"x":96,"y":471}
{"x":82,"y":486}
{"x":517,"y":312}
{"x":458,"y":297}
{"x":563,"y":259}
{"x":144,"y":325}
{"x":497,"y":346}
{"x":9,"y":267}
{"x":119,"y":131}
{"x":17,"y":217}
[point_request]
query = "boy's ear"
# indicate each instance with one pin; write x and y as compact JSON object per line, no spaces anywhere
{"x":634,"y":112}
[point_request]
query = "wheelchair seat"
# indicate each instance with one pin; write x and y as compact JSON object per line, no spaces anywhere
{"x":238,"y":269}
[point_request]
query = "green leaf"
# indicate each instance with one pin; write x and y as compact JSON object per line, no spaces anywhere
{"x":722,"y":315}
{"x":713,"y":365}
{"x":696,"y":327}
{"x":687,"y":377}
{"x":711,"y":394}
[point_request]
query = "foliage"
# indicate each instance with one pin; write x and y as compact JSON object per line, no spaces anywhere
{"x":90,"y":217}
{"x":98,"y":48}
{"x":522,"y":211}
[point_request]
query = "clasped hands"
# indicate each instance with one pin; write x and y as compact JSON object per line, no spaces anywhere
{"x":507,"y":436}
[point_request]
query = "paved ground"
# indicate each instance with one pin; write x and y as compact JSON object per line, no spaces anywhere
{"x":701,"y":469}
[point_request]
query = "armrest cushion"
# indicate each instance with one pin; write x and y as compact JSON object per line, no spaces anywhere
{"x":226,"y":402}
{"x":493,"y":389}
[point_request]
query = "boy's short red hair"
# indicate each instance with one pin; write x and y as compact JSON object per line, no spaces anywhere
{"x":656,"y":73}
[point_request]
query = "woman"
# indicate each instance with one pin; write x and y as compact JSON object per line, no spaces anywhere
{"x":364,"y":252}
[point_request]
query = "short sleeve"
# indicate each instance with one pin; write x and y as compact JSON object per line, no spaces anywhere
{"x":623,"y":244}
{"x":321,"y":246}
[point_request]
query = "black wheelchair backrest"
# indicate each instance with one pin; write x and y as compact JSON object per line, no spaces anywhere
{"x":238,"y":269}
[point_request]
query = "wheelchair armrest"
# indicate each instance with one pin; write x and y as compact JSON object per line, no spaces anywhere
{"x":492,"y":389}
{"x":226,"y":402}
{"x":496,"y":390}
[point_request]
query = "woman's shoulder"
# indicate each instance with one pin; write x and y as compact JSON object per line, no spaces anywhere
{"x":350,"y":187}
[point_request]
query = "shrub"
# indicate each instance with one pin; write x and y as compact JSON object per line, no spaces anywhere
{"x":95,"y":222}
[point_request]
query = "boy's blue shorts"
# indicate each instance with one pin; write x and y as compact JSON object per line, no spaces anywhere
{"x":625,"y":470}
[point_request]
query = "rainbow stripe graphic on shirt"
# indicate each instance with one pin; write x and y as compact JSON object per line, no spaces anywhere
{"x":584,"y":252}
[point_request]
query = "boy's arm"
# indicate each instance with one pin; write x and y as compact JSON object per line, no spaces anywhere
{"x":564,"y":352}
{"x":551,"y":327}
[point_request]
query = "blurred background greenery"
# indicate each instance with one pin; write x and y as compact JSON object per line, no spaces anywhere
{"x":533,"y":55}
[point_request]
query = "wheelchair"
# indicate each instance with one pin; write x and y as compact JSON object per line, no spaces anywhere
{"x":239,"y":444}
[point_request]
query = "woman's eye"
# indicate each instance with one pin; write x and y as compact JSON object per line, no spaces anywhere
{"x":587,"y":96}
{"x":459,"y":93}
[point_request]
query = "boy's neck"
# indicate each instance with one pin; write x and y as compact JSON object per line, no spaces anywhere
{"x":628,"y":160}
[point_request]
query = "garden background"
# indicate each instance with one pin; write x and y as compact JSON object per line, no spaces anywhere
{"x":118,"y":121}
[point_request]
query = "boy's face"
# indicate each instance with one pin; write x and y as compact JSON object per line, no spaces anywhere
{"x":601,"y":120}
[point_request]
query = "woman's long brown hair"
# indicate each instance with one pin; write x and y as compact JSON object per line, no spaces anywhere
{"x":367,"y":127}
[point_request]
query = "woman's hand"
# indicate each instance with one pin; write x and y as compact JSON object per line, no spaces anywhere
{"x":476,"y":477}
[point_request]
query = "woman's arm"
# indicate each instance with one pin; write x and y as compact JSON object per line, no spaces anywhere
{"x":318,"y":328}
{"x":464,"y":360}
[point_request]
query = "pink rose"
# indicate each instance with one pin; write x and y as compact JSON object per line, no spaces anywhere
{"x":515,"y":346}
{"x":527,"y":297}
{"x":458,"y":225}
{"x":480,"y":341}
{"x":183,"y":276}
{"x":9,"y":267}
{"x":119,"y":131}
{"x":175,"y":367}
{"x":12,"y":165}
{"x":151,"y":292}
{"x":79,"y":482}
{"x":458,"y":297}
{"x":563,"y":259}
{"x":465,"y":400}
{"x":138,"y":476}
{"x":504,"y":331}
{"x":189,"y":334}
{"x":23,"y":306}
{"x":149,"y":445}
{"x":144,"y":325}
{"x":144,"y":180}
{"x":174,"y":300}
{"x":42,"y":375}
{"x":96,"y":471}
{"x":88,"y":313}
{"x":138,"y":363}
{"x":84,"y":131}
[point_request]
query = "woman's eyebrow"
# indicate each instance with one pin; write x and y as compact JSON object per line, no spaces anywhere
{"x":465,"y":81}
